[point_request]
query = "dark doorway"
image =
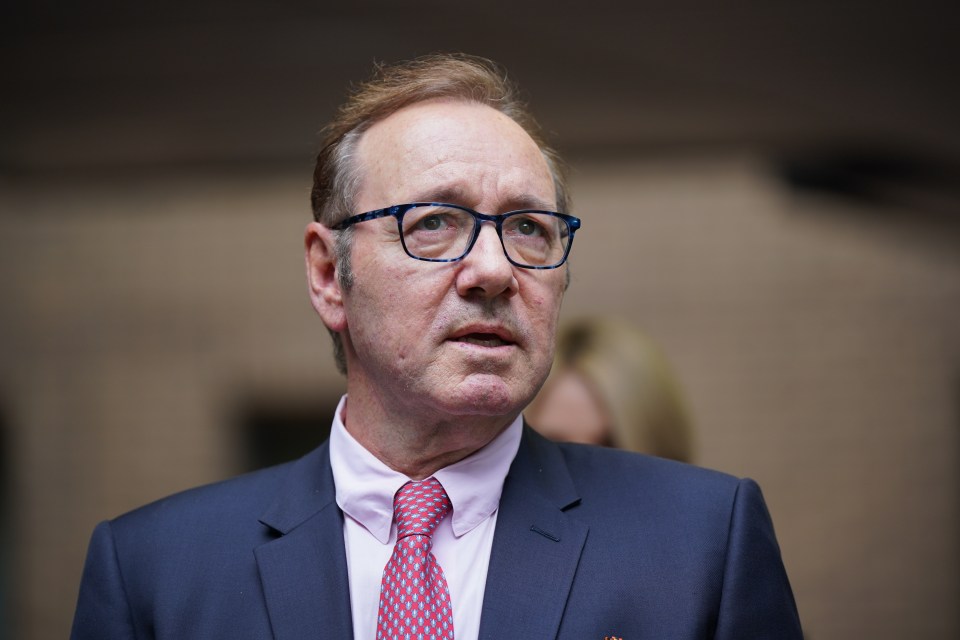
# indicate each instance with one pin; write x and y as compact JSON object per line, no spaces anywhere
{"x":276,"y":432}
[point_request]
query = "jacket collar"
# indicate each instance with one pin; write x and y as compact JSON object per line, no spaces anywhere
{"x":304,"y":570}
{"x":536,"y":547}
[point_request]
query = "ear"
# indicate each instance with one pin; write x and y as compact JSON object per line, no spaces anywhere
{"x":322,"y":282}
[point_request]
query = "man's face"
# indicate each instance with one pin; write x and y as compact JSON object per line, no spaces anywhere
{"x":473,"y":337}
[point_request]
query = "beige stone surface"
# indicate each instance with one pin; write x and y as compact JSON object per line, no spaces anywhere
{"x":817,"y":341}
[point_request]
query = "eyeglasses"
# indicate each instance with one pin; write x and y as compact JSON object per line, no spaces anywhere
{"x":439,"y":232}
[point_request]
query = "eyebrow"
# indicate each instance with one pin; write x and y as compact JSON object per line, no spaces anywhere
{"x":457,"y":195}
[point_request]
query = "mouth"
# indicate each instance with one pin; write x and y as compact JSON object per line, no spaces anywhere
{"x":484,"y":336}
{"x":483,"y":340}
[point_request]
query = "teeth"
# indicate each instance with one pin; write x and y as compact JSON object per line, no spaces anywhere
{"x":483,"y":340}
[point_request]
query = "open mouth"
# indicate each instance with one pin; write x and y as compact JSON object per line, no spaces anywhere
{"x":483,"y":340}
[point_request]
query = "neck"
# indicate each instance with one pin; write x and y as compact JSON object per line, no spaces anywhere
{"x":418,"y":446}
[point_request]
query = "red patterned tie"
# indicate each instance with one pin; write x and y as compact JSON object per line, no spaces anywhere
{"x":414,"y":598}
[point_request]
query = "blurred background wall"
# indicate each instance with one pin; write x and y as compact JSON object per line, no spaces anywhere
{"x":769,"y":191}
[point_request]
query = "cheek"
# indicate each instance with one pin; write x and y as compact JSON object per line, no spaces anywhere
{"x":412,"y":303}
{"x":545,"y":304}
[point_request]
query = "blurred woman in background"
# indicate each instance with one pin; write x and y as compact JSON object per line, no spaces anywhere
{"x":611,"y":385}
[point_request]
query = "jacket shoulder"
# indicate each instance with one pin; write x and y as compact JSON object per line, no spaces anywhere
{"x":602,"y":470}
{"x":237,"y":497}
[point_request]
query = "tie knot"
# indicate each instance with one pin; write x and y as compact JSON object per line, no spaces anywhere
{"x":419,"y":506}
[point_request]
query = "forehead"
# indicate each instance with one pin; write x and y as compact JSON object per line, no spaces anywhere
{"x":452,"y":150}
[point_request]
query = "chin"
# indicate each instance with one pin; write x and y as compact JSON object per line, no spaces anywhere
{"x":484,"y":395}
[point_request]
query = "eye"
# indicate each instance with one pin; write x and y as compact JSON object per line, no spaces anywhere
{"x":524,"y":226}
{"x":527,"y":227}
{"x":431,"y":223}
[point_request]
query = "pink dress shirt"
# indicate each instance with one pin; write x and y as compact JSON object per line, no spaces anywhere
{"x":365,"y":489}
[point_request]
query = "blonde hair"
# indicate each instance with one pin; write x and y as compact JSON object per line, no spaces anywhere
{"x":630,"y":378}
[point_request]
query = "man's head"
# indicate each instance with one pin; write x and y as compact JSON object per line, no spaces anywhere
{"x":337,"y":175}
{"x":471,"y":334}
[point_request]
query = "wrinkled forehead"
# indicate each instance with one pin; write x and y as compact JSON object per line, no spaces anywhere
{"x":451,"y":150}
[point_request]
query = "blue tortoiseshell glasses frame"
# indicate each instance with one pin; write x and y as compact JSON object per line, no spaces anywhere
{"x":537,"y":239}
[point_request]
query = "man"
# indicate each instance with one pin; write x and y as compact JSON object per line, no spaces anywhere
{"x":443,"y":318}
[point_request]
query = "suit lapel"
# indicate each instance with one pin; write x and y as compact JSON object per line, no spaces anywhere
{"x":536,"y":546}
{"x":304,"y":571}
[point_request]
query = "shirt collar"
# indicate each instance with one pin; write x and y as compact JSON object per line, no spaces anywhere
{"x":365,"y":486}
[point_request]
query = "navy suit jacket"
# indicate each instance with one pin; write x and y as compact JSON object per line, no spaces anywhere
{"x":590,"y":543}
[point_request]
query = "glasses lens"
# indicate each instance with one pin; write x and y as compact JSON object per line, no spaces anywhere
{"x":437,"y":232}
{"x":535,"y":239}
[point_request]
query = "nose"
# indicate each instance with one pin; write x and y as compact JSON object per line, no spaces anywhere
{"x":485,"y":271}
